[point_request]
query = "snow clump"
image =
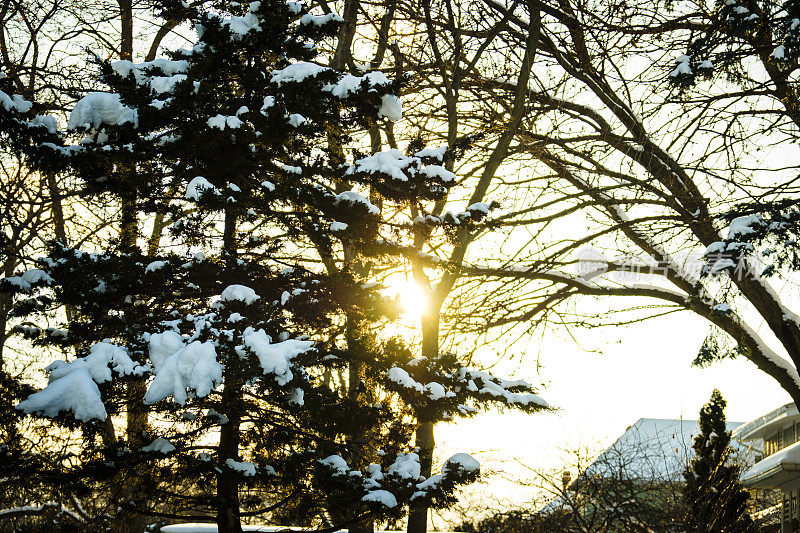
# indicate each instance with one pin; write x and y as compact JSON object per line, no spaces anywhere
{"x":14,"y":103}
{"x":96,"y":109}
{"x":197,"y":187}
{"x":296,"y":72}
{"x":391,"y":107}
{"x":240,"y":293}
{"x":73,"y":386}
{"x":406,"y":466}
{"x":274,"y":358}
{"x":383,"y":497}
{"x":192,"y":367}
{"x":160,"y":445}
{"x":246,"y":468}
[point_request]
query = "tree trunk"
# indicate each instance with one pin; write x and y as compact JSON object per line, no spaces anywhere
{"x":136,"y":416}
{"x":228,"y":519}
{"x":354,"y":329}
{"x":136,"y":410}
{"x":126,"y":29}
{"x":424,"y":436}
{"x":418,"y":516}
{"x":59,"y":224}
{"x":5,"y":307}
{"x":360,"y":389}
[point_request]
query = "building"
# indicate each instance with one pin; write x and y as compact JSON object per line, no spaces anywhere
{"x":775,"y":436}
{"x":636,"y":483}
{"x":655,"y":449}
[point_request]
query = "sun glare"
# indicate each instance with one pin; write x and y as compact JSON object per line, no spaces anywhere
{"x":413,"y":298}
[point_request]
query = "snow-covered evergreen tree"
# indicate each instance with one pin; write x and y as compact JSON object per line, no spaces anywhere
{"x":230,"y":329}
{"x":715,"y":499}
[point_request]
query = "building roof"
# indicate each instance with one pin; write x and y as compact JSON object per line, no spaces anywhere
{"x":652,"y":448}
{"x":770,"y":422}
{"x":775,"y":471}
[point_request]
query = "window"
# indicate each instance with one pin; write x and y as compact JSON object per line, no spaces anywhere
{"x":772,"y":443}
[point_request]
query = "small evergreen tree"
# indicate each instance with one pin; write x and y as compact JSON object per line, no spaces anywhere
{"x":714,"y":496}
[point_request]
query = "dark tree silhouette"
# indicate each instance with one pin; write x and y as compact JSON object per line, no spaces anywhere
{"x":714,"y":496}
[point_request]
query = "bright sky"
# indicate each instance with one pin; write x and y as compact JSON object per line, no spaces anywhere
{"x":600,"y":387}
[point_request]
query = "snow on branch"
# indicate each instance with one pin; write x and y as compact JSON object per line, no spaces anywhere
{"x":192,"y":367}
{"x":439,"y":388}
{"x":73,"y":386}
{"x":580,"y":283}
{"x":275,"y":358}
{"x":38,"y":509}
{"x":75,"y":392}
{"x":97,"y":109}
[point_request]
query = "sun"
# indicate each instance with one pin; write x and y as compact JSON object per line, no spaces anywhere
{"x":412,"y":297}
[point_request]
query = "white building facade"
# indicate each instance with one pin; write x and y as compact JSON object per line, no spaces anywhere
{"x":775,"y":436}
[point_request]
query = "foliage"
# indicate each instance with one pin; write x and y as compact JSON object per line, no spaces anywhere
{"x":714,"y":496}
{"x":225,"y":343}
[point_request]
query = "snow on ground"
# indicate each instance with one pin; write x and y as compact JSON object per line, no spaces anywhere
{"x":212,"y":528}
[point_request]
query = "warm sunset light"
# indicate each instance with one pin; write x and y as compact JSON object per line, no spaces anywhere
{"x":400,"y":267}
{"x":412,"y":297}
